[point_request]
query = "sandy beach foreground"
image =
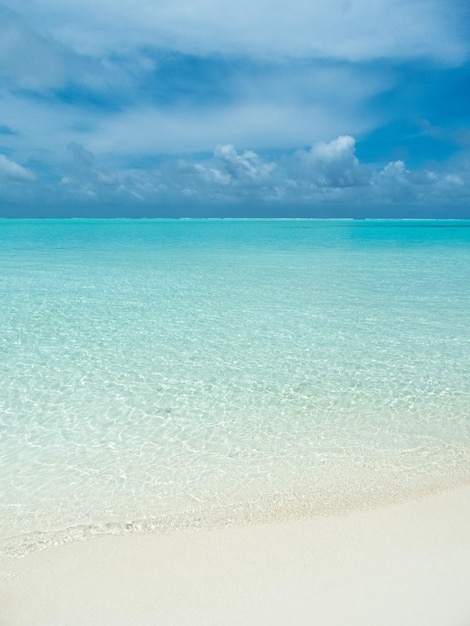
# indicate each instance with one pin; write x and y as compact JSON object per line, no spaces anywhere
{"x":400,"y":565}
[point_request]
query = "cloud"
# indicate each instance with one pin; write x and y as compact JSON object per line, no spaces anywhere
{"x":34,"y":61}
{"x":127,"y":101}
{"x":328,"y":179}
{"x":258,"y":124}
{"x":13,"y":171}
{"x":328,"y":172}
{"x":352,"y":30}
{"x":28,"y":60}
{"x":134,"y":106}
{"x":245,"y":167}
{"x":334,"y":164}
{"x":83,"y":158}
{"x":86,"y":178}
{"x":394,"y":182}
{"x":230,"y":174}
{"x":459,"y":136}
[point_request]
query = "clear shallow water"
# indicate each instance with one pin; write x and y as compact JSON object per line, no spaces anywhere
{"x":157,"y":373}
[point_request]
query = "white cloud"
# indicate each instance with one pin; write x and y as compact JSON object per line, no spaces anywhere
{"x":43,"y":129}
{"x":395,"y":183}
{"x":13,"y":171}
{"x":260,"y":125}
{"x":334,"y":164}
{"x":454,"y":179}
{"x":339,"y":29}
{"x":283,"y":106}
{"x":86,"y":74}
{"x":32,"y":58}
{"x":27,"y":59}
{"x":329,"y":173}
{"x":323,"y":180}
{"x":246,"y":167}
{"x":228,"y":168}
{"x":282,"y":103}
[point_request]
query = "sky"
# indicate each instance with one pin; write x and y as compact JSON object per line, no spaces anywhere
{"x":253,"y":108}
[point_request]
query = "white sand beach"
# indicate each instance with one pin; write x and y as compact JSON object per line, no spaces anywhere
{"x":401,"y":565}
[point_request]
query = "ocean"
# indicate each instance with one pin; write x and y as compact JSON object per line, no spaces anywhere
{"x":163,"y":374}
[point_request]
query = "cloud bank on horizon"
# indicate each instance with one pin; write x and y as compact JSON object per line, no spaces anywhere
{"x":204,"y":107}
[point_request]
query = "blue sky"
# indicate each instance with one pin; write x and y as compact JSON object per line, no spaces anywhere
{"x":249,"y":108}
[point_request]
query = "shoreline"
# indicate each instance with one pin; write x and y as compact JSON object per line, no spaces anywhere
{"x":403,"y":564}
{"x":282,"y":506}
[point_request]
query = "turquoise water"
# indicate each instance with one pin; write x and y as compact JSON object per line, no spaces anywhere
{"x":164,"y":373}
